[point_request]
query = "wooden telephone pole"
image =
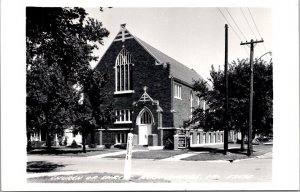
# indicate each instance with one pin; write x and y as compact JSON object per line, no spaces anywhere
{"x":226,"y":96}
{"x":250,"y":147}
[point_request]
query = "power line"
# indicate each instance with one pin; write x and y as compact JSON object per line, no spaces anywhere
{"x":256,"y":27}
{"x":248,"y":22}
{"x":232,"y":29}
{"x":250,"y":27}
{"x":235,"y":23}
{"x":229,"y":24}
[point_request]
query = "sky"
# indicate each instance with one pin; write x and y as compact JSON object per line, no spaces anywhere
{"x":193,"y":36}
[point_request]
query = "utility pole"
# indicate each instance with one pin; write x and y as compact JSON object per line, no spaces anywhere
{"x":226,"y":96}
{"x":250,"y":147}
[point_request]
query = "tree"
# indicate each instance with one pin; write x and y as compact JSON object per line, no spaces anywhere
{"x":59,"y":46}
{"x":92,"y":111}
{"x":239,"y":81}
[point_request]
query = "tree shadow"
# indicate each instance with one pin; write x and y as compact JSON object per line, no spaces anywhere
{"x":218,"y":150}
{"x":42,"y":166}
{"x":58,"y":151}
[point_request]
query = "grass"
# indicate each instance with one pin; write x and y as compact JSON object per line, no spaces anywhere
{"x":233,"y":154}
{"x":94,"y":178}
{"x":62,"y":151}
{"x":154,"y":154}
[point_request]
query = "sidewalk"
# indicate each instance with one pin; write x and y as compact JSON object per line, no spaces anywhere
{"x":112,"y":154}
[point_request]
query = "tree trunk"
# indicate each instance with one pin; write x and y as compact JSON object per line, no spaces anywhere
{"x":49,"y":138}
{"x":93,"y":138}
{"x":242,"y":141}
{"x":29,"y":147}
{"x":83,"y":143}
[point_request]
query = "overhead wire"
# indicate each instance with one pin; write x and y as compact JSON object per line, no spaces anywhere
{"x":232,"y":29}
{"x":250,"y":27}
{"x":256,"y":27}
{"x":235,"y":23}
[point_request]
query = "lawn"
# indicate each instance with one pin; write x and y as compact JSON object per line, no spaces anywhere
{"x":94,"y":178}
{"x":63,"y":151}
{"x":154,"y":154}
{"x":233,"y":154}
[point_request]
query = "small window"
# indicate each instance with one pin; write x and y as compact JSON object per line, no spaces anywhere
{"x":177,"y":93}
{"x":123,"y":116}
{"x":121,"y":138}
{"x":204,"y":138}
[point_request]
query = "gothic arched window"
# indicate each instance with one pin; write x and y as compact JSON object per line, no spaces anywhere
{"x":123,"y":72}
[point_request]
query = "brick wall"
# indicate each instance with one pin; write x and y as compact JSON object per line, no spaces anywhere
{"x":144,"y":73}
{"x":182,"y":106}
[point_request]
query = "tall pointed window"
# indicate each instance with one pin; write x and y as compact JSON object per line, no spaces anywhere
{"x":123,"y":72}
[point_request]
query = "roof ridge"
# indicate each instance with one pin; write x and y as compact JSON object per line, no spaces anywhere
{"x":147,"y":46}
{"x":163,"y":53}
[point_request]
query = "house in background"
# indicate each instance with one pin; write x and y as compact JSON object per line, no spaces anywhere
{"x":151,"y":92}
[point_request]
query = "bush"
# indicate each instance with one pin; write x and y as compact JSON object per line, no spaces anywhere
{"x":74,"y":145}
{"x":29,"y":147}
{"x":93,"y":146}
{"x":169,"y":144}
{"x":108,"y":146}
{"x":121,"y":146}
{"x":65,"y":141}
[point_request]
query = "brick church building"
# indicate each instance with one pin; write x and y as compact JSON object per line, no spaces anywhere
{"x":151,"y":92}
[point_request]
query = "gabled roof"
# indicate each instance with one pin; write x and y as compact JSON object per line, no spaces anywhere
{"x":177,"y":69}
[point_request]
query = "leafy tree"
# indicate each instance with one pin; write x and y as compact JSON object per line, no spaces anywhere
{"x":59,"y":46}
{"x":92,"y":110}
{"x":213,"y":118}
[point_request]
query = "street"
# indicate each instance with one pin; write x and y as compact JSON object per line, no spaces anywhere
{"x":248,"y":170}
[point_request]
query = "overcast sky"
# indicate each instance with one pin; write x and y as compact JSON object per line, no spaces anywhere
{"x":193,"y":36}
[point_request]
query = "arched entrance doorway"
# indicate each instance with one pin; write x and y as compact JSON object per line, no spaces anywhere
{"x":144,"y":122}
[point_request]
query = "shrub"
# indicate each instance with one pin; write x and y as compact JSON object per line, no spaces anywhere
{"x":65,"y":141}
{"x":74,"y":145}
{"x":169,"y":144}
{"x":93,"y":146}
{"x":108,"y":146}
{"x":121,"y":146}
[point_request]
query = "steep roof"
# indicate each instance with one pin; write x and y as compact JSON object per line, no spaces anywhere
{"x":178,"y":70}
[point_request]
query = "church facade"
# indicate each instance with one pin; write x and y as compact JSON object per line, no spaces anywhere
{"x":152,"y":95}
{"x":151,"y":92}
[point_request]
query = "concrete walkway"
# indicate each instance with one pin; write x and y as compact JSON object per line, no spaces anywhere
{"x":182,"y":156}
{"x":111,"y":154}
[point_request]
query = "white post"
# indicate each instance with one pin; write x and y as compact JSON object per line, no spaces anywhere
{"x":127,"y":168}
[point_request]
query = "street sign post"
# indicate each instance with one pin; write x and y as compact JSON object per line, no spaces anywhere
{"x":127,"y":167}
